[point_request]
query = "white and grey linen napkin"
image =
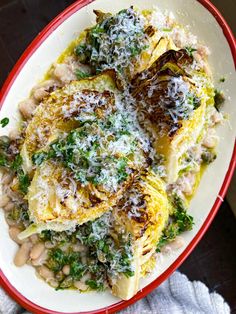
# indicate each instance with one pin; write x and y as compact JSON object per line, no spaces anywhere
{"x":177,"y":295}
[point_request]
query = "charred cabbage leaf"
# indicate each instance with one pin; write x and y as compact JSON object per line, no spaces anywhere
{"x":165,"y":91}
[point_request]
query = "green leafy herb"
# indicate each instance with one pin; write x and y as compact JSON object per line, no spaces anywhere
{"x":180,"y":221}
{"x":222,"y":79}
{"x":194,"y":101}
{"x":39,"y":158}
{"x":190,"y":51}
{"x":19,"y":214}
{"x":24,"y":180}
{"x":81,"y":75}
{"x":4,"y":122}
{"x":95,"y":285}
{"x":17,"y":163}
{"x":3,"y":161}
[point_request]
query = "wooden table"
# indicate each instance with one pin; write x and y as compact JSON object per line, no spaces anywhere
{"x":214,"y":260}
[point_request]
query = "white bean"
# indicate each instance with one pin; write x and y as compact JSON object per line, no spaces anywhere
{"x":83,"y":259}
{"x":80,"y":285}
{"x":40,"y":91}
{"x":27,"y":108}
{"x":79,"y":248}
{"x":22,"y":255}
{"x":216,"y":117}
{"x":34,"y":238}
{"x":37,"y":250}
{"x":49,"y":245}
{"x":177,"y":243}
{"x":211,"y":139}
{"x":9,"y":206}
{"x":85,"y":277}
{"x":64,"y":73}
{"x":7,"y":178}
{"x":9,"y":221}
{"x":13,"y":233}
{"x":14,"y":134}
{"x":203,"y":51}
{"x":66,"y":270}
{"x":4,"y":199}
{"x":45,"y":273}
{"x":41,"y":259}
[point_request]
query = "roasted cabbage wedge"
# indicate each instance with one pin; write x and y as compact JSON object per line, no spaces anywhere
{"x":58,"y":113}
{"x":174,"y":105}
{"x":142,"y":212}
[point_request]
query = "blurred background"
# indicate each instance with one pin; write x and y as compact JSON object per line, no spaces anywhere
{"x":214,"y":259}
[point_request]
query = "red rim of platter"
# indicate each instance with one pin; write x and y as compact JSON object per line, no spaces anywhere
{"x":142,"y":293}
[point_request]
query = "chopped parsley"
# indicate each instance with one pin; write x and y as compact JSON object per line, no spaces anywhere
{"x":179,"y":222}
{"x":4,"y":122}
{"x":96,"y":236}
{"x":190,"y":50}
{"x":23,"y":178}
{"x":81,"y":75}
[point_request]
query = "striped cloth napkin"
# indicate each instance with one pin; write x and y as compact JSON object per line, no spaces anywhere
{"x":177,"y":295}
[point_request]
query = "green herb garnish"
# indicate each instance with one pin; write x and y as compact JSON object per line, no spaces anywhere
{"x":4,"y":122}
{"x":81,"y":75}
{"x":190,"y":51}
{"x":179,"y":222}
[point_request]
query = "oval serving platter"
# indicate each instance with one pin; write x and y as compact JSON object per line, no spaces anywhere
{"x":207,"y":23}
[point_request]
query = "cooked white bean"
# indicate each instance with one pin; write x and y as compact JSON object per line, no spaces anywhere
{"x":64,"y":73}
{"x":211,"y":139}
{"x":9,"y":206}
{"x":79,"y":248}
{"x":83,"y":259}
{"x":27,"y":108}
{"x":216,"y":117}
{"x":49,"y":244}
{"x":34,"y":238}
{"x":14,"y":134}
{"x":4,"y":199}
{"x":7,"y":178}
{"x":9,"y":221}
{"x":22,"y":254}
{"x":37,"y":250}
{"x":41,"y":259}
{"x":203,"y":51}
{"x":13,"y":233}
{"x":85,"y":277}
{"x":80,"y":285}
{"x":45,"y":273}
{"x":42,"y":90}
{"x":53,"y":283}
{"x":66,"y":270}
{"x":177,"y":243}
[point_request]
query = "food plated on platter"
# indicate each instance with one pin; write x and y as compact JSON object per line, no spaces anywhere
{"x":109,"y":151}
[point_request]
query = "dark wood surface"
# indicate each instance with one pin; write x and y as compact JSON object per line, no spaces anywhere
{"x":214,"y":259}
